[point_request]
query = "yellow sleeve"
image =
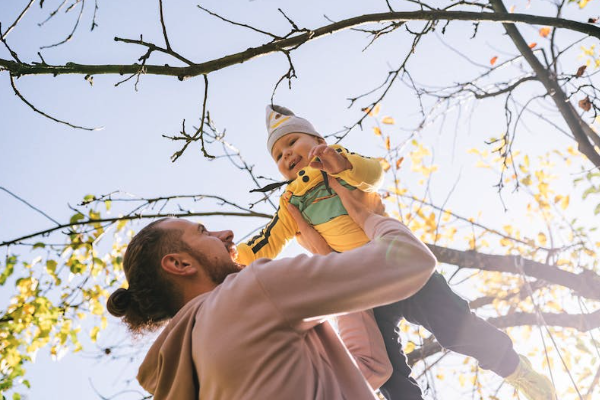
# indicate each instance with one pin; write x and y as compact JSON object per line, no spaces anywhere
{"x":366,"y":173}
{"x":272,"y":238}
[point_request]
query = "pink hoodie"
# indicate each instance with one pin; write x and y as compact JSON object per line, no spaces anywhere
{"x":261,"y":333}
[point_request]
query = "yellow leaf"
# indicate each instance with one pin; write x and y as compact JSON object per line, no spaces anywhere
{"x":409,"y":347}
{"x":481,"y":164}
{"x":387,"y":143}
{"x":532,"y":45}
{"x":526,"y":160}
{"x":542,"y":239}
{"x":511,"y":9}
{"x":399,"y":162}
{"x":384,"y":164}
{"x":545,"y":31}
{"x":372,"y":112}
{"x":388,"y":120}
{"x":493,"y":60}
{"x":376,"y":109}
{"x":440,"y":377}
{"x":94,"y":333}
{"x":377,"y":131}
{"x":572,"y":151}
{"x":473,"y":151}
{"x":508,"y":229}
{"x":505,"y":242}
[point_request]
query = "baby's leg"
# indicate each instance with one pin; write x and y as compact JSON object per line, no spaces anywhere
{"x":400,"y":386}
{"x":445,"y":314}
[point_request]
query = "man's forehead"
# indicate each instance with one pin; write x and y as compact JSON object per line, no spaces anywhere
{"x":176,"y":223}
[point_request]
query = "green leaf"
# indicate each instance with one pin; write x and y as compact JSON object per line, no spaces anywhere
{"x":108,"y":204}
{"x":89,"y":197}
{"x":51,"y":266}
{"x":590,"y":190}
{"x":77,"y":217}
{"x":39,"y":245}
{"x":597,"y":209}
{"x":16,"y":396}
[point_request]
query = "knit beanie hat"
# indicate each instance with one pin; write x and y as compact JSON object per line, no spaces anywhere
{"x":281,"y":121}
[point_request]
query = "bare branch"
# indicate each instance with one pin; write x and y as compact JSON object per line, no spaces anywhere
{"x":586,"y":283}
{"x":199,"y":132}
{"x":581,"y":322}
{"x":136,"y":216}
{"x":581,"y":131}
{"x":19,"y":95}
{"x":29,"y":205}
{"x":164,"y":28}
{"x":237,"y":23}
{"x":70,"y":36}
{"x":290,"y":42}
{"x":53,"y":13}
{"x":10,"y":28}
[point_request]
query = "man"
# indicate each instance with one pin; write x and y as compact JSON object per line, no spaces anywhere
{"x":258,"y":333}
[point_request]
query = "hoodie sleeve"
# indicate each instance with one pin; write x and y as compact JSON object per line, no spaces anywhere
{"x":362,"y":338}
{"x":272,"y":238}
{"x":392,"y":267}
{"x":366,"y":173}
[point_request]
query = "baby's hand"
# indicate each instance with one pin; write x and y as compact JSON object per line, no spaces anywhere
{"x":329,"y":161}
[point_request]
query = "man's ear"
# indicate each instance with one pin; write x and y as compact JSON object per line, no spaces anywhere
{"x":178,"y":264}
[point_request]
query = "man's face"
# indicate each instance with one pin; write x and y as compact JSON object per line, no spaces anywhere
{"x":214,"y":251}
{"x":290,"y":153}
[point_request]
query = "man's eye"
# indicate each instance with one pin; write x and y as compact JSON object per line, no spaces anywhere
{"x":293,"y":141}
{"x":278,"y":157}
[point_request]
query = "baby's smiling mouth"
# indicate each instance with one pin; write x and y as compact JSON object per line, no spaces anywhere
{"x":294,"y":163}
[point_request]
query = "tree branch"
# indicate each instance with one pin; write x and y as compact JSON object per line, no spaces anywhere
{"x":294,"y":41}
{"x":134,"y":217}
{"x":20,"y":96}
{"x":10,"y":28}
{"x":581,"y":322}
{"x":583,"y":134}
{"x":586,"y":283}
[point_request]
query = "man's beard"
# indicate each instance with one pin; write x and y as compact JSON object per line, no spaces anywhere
{"x":217,"y":272}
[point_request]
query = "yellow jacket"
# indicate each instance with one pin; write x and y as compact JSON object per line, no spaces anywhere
{"x":320,"y":206}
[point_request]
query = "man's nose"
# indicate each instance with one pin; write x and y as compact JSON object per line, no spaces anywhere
{"x":225,"y":236}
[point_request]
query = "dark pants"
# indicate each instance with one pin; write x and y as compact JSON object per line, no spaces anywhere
{"x":448,"y":317}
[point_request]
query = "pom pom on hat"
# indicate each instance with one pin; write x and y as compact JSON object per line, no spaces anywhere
{"x":281,"y":121}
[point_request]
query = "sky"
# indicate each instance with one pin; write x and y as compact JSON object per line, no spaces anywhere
{"x":51,"y":165}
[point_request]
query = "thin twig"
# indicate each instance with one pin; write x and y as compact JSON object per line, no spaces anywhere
{"x":10,"y":28}
{"x":70,"y":36}
{"x":238,"y":23}
{"x":162,"y":22}
{"x":12,"y":83}
{"x":29,"y":205}
{"x":53,"y":13}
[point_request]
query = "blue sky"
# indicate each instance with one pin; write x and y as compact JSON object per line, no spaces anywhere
{"x":51,"y":165}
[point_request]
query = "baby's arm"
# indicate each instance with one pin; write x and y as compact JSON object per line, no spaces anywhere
{"x":272,"y":238}
{"x":361,"y":172}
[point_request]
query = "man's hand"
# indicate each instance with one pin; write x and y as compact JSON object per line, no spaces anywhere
{"x":360,"y":205}
{"x":308,"y":238}
{"x":330,"y":160}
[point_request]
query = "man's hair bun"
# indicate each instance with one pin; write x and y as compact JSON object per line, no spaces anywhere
{"x":118,"y":302}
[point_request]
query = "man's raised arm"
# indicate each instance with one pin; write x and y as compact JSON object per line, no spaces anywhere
{"x":392,"y":267}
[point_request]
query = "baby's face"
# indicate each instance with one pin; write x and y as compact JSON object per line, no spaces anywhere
{"x":290,"y":153}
